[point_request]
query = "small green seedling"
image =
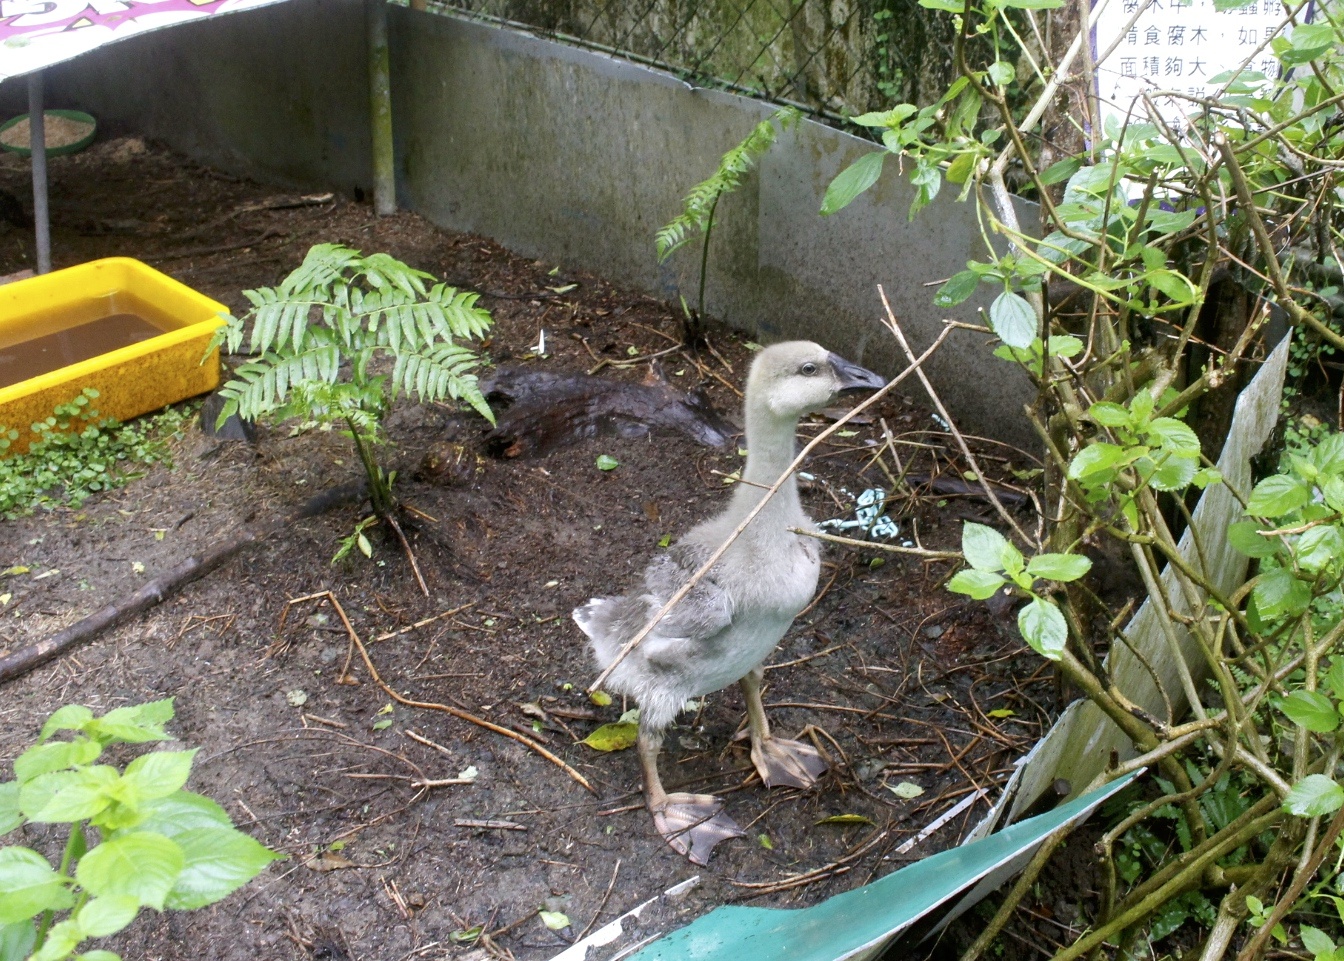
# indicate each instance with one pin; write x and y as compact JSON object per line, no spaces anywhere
{"x":136,"y":838}
{"x":321,"y":336}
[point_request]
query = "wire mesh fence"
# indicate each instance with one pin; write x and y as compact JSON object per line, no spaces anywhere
{"x":829,"y":57}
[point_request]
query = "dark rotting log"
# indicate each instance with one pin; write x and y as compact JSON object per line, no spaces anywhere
{"x":550,"y":410}
{"x":166,"y":585}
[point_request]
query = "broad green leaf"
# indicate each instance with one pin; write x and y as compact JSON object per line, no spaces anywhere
{"x":136,"y":724}
{"x":612,"y":737}
{"x":886,"y":118}
{"x":852,"y":181}
{"x":1312,"y":710}
{"x":70,"y":717}
{"x":1059,"y":567}
{"x":947,"y":6}
{"x":1065,"y":345}
{"x":217,"y":862}
{"x":1319,"y":548}
{"x":607,"y":462}
{"x":142,"y":864}
{"x":1328,"y":455}
{"x":1313,"y":796}
{"x":1168,"y":472}
{"x":1317,"y":941}
{"x":1043,"y":627}
{"x":1169,"y":222}
{"x":17,"y":940}
{"x":107,"y":915}
{"x":1334,"y":678}
{"x":980,"y":585}
{"x":1308,"y":41}
{"x":1002,"y":73}
{"x":960,"y":170}
{"x":958,"y":287}
{"x":62,"y":938}
{"x":159,"y":773}
{"x":983,"y":546}
{"x":1279,"y":594}
{"x":1061,"y":170}
{"x":1109,"y":414}
{"x":1277,"y":495}
{"x":182,"y":811}
{"x":1333,"y":491}
{"x":1013,"y":319}
{"x":54,"y":756}
{"x":10,"y":818}
{"x":1244,"y":536}
{"x":67,"y":796}
{"x":98,"y":954}
{"x":1174,"y":285}
{"x":29,"y":885}
{"x":600,"y":698}
{"x":1175,"y":435}
{"x":1098,"y":457}
{"x":1141,"y":405}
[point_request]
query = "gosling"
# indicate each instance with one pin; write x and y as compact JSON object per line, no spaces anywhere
{"x":726,"y":627}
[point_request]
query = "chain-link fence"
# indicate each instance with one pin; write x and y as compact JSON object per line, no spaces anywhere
{"x":830,"y":57}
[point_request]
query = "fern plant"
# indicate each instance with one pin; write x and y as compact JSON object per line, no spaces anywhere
{"x":318,"y":334}
{"x":697,"y":210}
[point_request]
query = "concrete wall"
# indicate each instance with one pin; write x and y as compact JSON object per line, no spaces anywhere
{"x":562,"y":154}
{"x":279,"y":94}
{"x":577,"y":157}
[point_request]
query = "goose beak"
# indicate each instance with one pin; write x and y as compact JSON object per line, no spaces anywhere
{"x":854,"y":377}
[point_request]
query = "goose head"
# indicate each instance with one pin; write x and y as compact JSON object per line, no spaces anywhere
{"x":799,"y":377}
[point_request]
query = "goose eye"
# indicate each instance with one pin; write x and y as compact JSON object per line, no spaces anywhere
{"x":809,"y":369}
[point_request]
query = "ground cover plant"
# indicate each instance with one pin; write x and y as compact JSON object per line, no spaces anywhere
{"x":136,"y":838}
{"x":76,"y":453}
{"x":1138,"y":311}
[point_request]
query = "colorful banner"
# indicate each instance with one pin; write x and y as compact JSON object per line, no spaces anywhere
{"x":38,"y":33}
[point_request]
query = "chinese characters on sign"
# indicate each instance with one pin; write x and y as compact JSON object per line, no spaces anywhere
{"x":1179,"y":45}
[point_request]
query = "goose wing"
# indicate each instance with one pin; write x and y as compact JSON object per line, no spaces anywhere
{"x":702,"y":614}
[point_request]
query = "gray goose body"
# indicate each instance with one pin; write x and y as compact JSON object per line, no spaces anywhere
{"x":725,"y":628}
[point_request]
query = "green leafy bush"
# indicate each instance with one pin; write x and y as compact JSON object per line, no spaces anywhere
{"x":77,"y":453}
{"x":153,"y":844}
{"x":1135,"y":304}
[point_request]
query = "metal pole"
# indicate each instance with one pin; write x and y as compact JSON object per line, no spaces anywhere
{"x":37,"y":141}
{"x":380,"y":110}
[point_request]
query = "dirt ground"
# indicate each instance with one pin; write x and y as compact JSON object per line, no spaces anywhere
{"x":898,"y":676}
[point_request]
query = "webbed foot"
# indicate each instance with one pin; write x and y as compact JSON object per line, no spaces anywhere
{"x":785,"y":763}
{"x":693,"y":824}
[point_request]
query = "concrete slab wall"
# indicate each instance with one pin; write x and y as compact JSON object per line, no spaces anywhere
{"x":279,"y":94}
{"x":562,"y":154}
{"x":578,"y":158}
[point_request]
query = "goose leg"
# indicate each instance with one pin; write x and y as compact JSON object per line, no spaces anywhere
{"x":691,"y":823}
{"x":778,"y":760}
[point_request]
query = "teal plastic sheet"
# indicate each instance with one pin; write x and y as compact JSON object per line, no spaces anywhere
{"x":857,"y":923}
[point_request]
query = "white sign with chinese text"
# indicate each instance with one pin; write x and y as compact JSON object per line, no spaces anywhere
{"x":1178,"y":45}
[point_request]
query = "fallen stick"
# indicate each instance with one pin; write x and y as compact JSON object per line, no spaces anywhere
{"x":446,"y":709}
{"x":165,"y":585}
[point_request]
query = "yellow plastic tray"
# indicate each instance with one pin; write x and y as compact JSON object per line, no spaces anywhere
{"x":130,"y":381}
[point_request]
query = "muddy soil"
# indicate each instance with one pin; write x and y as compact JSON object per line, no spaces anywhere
{"x":900,"y":680}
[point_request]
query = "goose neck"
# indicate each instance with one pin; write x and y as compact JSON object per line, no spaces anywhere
{"x":770,"y":447}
